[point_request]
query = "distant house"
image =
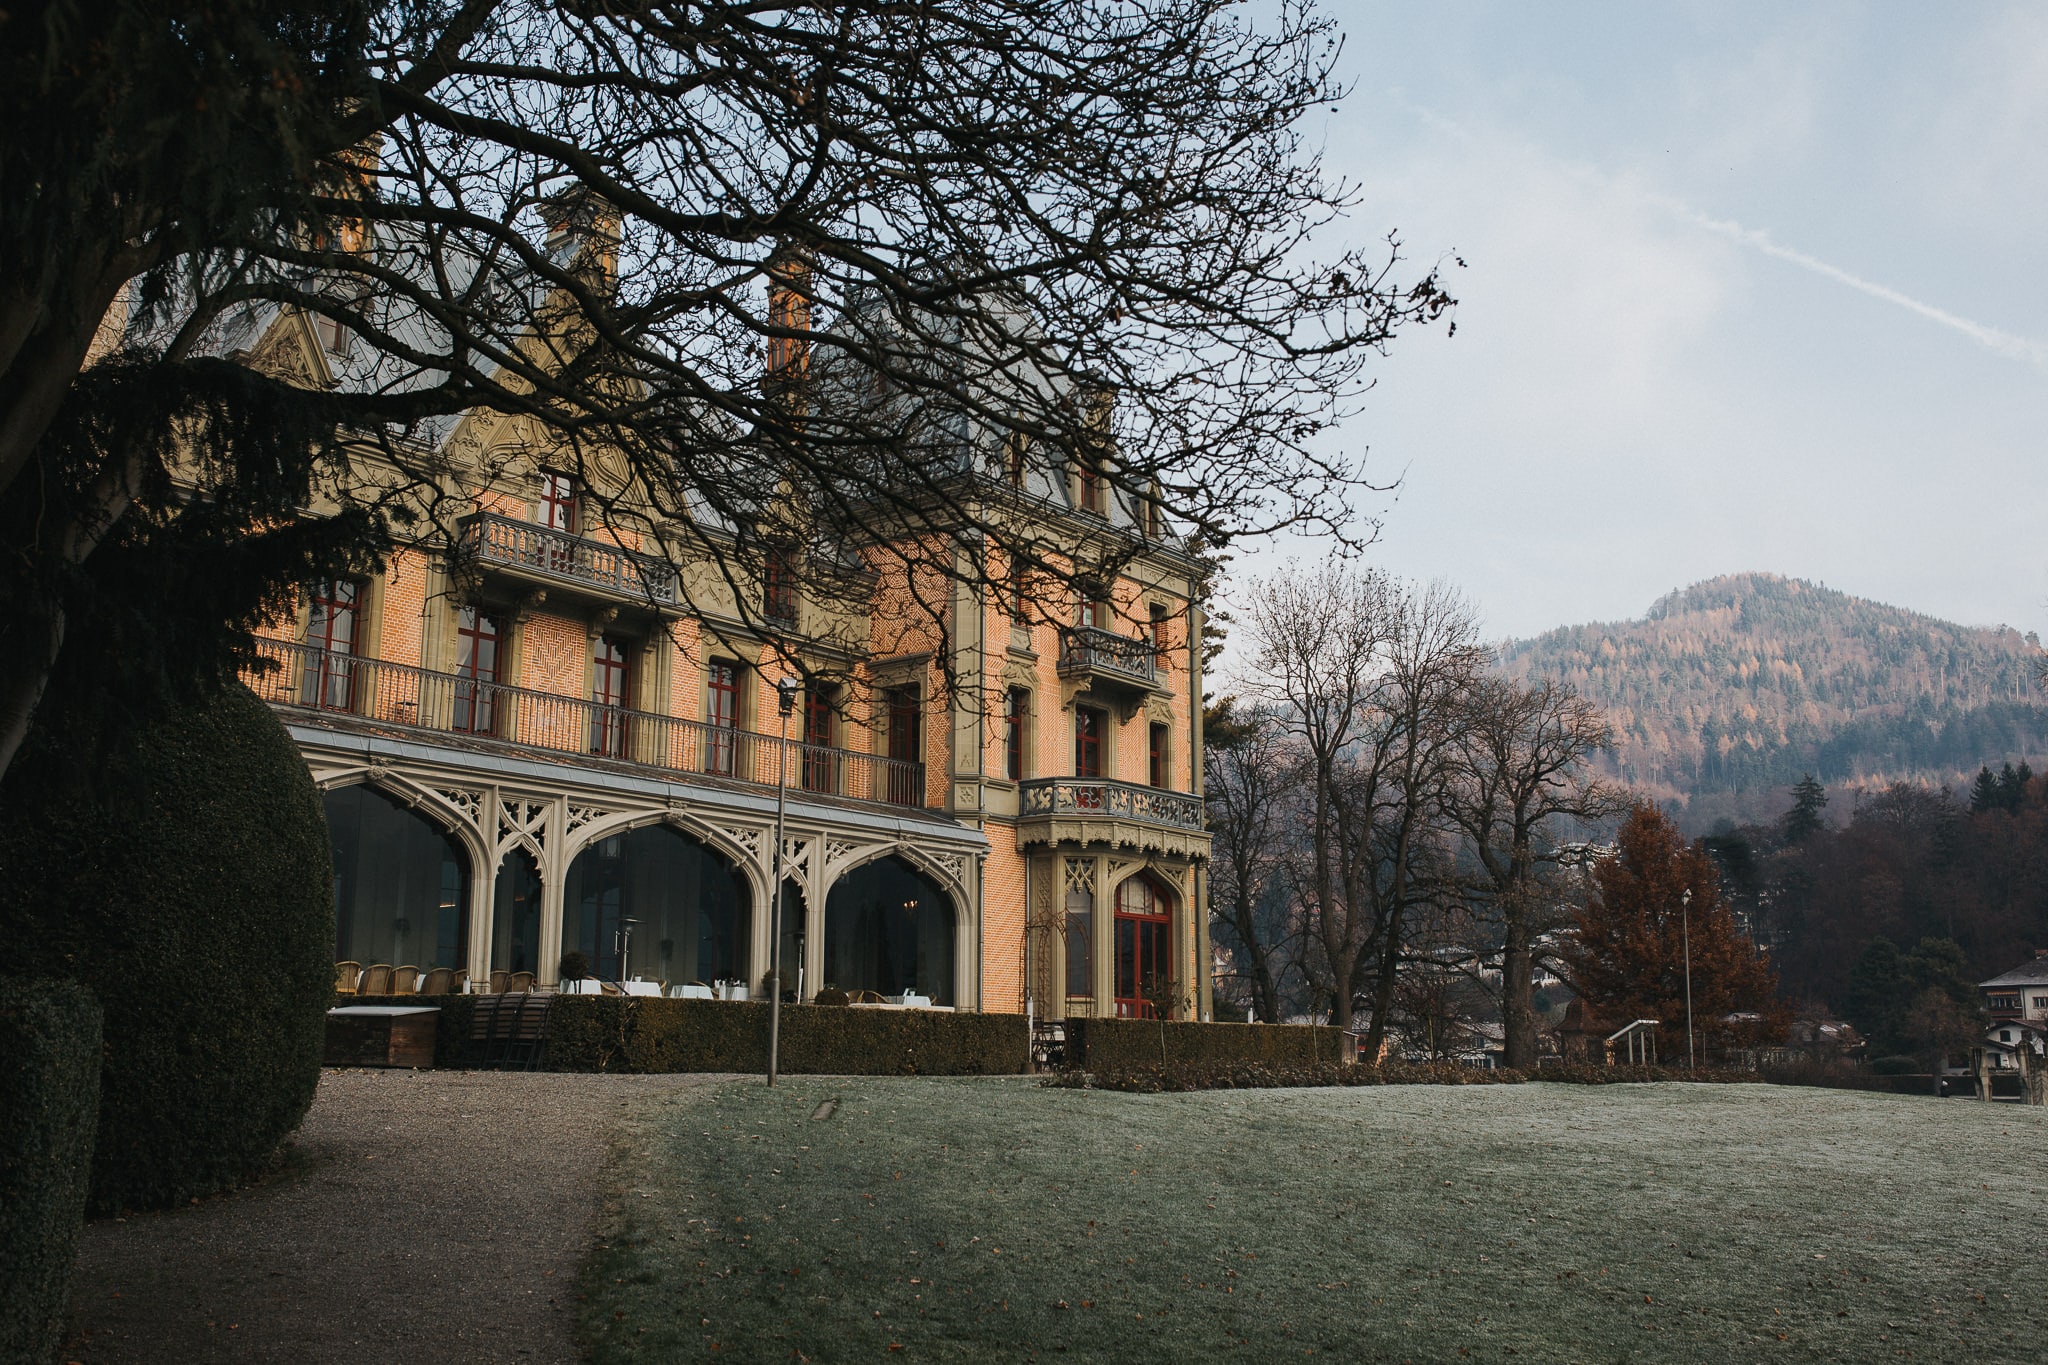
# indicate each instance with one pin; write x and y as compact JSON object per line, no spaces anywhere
{"x":2007,"y":1038}
{"x":1585,"y":1037}
{"x":2021,"y":993}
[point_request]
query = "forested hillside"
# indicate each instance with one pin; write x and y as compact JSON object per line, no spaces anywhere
{"x":1743,"y":683}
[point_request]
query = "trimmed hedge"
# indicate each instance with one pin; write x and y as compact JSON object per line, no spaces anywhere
{"x":49,"y":1105}
{"x":599,"y":1033}
{"x":1186,"y":1076}
{"x":186,"y":881}
{"x":1103,"y":1044}
{"x":630,"y":1035}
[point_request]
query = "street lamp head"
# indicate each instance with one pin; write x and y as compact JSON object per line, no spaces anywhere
{"x":786,"y":694}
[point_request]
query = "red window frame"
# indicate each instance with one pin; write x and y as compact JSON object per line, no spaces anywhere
{"x":906,"y":745}
{"x":1089,"y":724}
{"x":1090,"y":499}
{"x":611,"y":687}
{"x":819,"y":769}
{"x":1013,"y":745}
{"x":331,"y":622}
{"x":480,"y":641}
{"x":722,"y":712}
{"x":560,"y":502}
{"x":1144,"y":944}
{"x":1161,"y":747}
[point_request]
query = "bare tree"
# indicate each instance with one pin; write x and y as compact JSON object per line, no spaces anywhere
{"x":1392,"y":807}
{"x":1248,"y":784}
{"x":1086,"y":227}
{"x":1316,"y":639}
{"x":1519,"y":773}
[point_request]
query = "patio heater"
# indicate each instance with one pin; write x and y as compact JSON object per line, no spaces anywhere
{"x":785,"y":703}
{"x":1685,"y":933}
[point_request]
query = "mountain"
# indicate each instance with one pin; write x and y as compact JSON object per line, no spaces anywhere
{"x":1731,"y":688}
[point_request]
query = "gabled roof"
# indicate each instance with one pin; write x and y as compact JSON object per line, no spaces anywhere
{"x":2034,"y":973}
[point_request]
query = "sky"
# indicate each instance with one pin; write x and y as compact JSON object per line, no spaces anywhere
{"x":1746,"y":287}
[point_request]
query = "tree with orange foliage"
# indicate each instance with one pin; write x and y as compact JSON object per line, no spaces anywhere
{"x":1628,"y":954}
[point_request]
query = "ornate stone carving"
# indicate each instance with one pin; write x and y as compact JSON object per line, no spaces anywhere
{"x":1079,"y":875}
{"x":470,"y":803}
{"x":748,"y":839}
{"x":528,"y":818}
{"x":579,"y":816}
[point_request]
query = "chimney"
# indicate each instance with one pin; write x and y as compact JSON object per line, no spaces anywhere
{"x":583,"y":232}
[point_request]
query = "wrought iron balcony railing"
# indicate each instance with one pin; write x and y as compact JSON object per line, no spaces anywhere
{"x":1100,"y":796}
{"x":1088,"y":649}
{"x":314,"y":680}
{"x":530,"y":548}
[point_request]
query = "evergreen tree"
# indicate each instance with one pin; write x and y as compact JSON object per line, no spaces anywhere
{"x":1804,"y":820}
{"x":1877,"y":996}
{"x":1984,"y":792}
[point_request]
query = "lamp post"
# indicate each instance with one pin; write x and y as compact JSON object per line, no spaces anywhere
{"x":785,"y":702}
{"x":1685,"y":932}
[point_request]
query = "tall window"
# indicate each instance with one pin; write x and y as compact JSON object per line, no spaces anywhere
{"x":1093,"y":609}
{"x":778,"y":588}
{"x":906,"y":745}
{"x":818,"y":771}
{"x":722,"y":710}
{"x":331,"y":629}
{"x":1088,"y":728}
{"x":1020,"y":714}
{"x":476,"y":665}
{"x":1079,"y":932}
{"x":1157,"y":629}
{"x":559,"y":497}
{"x":611,"y":688}
{"x":1159,"y":755}
{"x":1144,"y":937}
{"x":1014,"y":448}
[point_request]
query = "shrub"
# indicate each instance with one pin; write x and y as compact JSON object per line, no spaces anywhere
{"x":831,"y":996}
{"x":628,"y":1034}
{"x":574,"y":966}
{"x":1098,"y":1044}
{"x":1184,"y":1076}
{"x":49,"y":1102}
{"x":186,"y":880}
{"x":1898,"y":1066}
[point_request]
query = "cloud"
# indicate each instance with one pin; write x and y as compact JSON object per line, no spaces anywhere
{"x":2007,"y":344}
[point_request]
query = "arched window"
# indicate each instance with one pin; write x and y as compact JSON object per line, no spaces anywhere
{"x":655,"y":903}
{"x":515,"y":914}
{"x":1144,"y":945}
{"x":401,"y":883}
{"x":889,"y":929}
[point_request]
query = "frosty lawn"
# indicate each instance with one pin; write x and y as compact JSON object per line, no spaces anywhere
{"x":994,"y":1220}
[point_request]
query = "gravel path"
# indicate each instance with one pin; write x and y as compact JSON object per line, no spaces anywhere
{"x":430,"y":1216}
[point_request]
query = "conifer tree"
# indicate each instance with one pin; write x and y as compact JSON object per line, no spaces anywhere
{"x":1804,"y":820}
{"x":1984,"y":792}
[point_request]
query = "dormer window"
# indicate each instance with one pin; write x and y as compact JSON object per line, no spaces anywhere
{"x":1088,"y":487}
{"x":778,"y":588}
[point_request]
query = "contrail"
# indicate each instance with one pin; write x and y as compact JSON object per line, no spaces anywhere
{"x":2004,"y":343}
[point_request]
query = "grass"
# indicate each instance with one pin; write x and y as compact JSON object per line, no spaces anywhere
{"x":932,"y":1219}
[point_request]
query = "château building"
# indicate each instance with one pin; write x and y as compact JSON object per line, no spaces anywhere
{"x":547,"y":727}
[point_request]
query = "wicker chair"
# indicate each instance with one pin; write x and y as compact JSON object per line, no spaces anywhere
{"x":869,"y":998}
{"x":519,"y":981}
{"x":439,"y":981}
{"x":404,"y":980}
{"x":609,"y":988}
{"x":459,"y":985}
{"x":375,"y":980}
{"x":500,"y":980}
{"x":346,"y":975}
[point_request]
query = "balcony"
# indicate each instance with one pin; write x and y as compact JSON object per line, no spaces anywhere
{"x":344,"y":688}
{"x":539,"y":552}
{"x":1099,"y":810}
{"x":1105,"y":658}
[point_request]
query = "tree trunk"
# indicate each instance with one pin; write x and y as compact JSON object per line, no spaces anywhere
{"x":22,"y":680}
{"x":1517,"y":997}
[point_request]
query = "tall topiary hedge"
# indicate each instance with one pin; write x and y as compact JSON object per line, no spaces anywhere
{"x":49,"y":1097}
{"x":186,"y":879}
